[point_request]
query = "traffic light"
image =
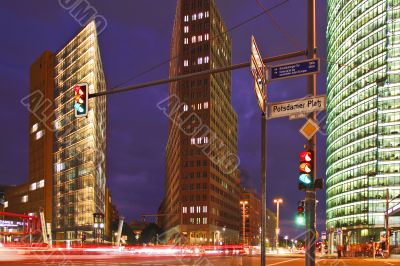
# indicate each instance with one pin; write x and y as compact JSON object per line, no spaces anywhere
{"x":305,"y":170}
{"x":300,"y":219}
{"x":81,"y":99}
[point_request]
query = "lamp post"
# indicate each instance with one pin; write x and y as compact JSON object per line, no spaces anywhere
{"x":277,"y":201}
{"x":244,"y":203}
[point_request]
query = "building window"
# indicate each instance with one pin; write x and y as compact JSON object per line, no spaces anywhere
{"x":186,"y":63}
{"x":32,"y":186}
{"x":6,"y":204}
{"x":198,"y":209}
{"x":206,"y":37}
{"x":184,"y":210}
{"x":205,"y":140}
{"x":39,"y":134}
{"x":185,"y":107}
{"x":200,"y":15}
{"x":194,"y":17}
{"x":186,"y":18}
{"x":24,"y":199}
{"x":200,"y":60}
{"x":206,"y":14}
{"x":200,"y":38}
{"x":59,"y":167}
{"x":192,"y":209}
{"x":191,"y":220}
{"x":198,"y":140}
{"x":205,"y":105}
{"x":34,"y":128}
{"x":199,"y":106}
{"x":198,"y":220}
{"x":193,"y":39}
{"x":40,"y":184}
{"x":192,"y":141}
{"x":186,"y":40}
{"x":204,"y":209}
{"x":204,"y":220}
{"x":186,"y":29}
{"x":206,"y":59}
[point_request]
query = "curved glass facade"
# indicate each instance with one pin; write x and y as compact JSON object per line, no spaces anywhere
{"x":363,"y":107}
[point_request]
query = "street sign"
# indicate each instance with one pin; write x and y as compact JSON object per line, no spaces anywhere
{"x":298,"y":107}
{"x":297,"y":116}
{"x":295,"y":69}
{"x":309,"y":129}
{"x":259,"y":72}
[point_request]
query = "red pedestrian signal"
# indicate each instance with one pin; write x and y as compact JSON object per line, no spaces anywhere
{"x":81,"y":99}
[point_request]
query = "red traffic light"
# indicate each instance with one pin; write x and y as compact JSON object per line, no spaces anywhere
{"x":81,"y":100}
{"x":306,"y":156}
{"x":300,"y":209}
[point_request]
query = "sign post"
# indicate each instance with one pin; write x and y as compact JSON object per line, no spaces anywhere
{"x":259,"y":72}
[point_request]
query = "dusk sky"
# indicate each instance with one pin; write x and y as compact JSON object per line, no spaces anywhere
{"x":136,"y":38}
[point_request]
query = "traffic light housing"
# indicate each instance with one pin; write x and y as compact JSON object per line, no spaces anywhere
{"x":300,"y":218}
{"x":81,"y":99}
{"x":306,"y":170}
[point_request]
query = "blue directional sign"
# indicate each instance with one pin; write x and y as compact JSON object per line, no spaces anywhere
{"x":296,"y":69}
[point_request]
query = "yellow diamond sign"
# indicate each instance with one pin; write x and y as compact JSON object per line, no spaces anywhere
{"x":309,"y":129}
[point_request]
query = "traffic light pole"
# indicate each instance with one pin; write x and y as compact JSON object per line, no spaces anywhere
{"x":310,"y":200}
{"x":263,"y":184}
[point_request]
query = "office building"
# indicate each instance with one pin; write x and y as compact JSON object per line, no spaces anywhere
{"x":202,"y":190}
{"x":79,"y":143}
{"x":363,"y":122}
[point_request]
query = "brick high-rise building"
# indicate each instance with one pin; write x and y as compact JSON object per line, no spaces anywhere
{"x":202,"y":183}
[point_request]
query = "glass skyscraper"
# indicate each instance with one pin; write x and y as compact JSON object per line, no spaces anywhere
{"x":363,"y":123}
{"x":79,"y":143}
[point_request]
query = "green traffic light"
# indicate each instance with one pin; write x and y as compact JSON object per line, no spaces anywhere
{"x":300,"y":219}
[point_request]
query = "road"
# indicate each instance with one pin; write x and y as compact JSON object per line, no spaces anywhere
{"x":112,"y":260}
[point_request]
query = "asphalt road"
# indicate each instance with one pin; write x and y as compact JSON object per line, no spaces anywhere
{"x":105,"y":260}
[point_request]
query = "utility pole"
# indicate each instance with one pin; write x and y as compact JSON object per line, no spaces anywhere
{"x":244,"y":203}
{"x":263,"y":184}
{"x":310,"y":200}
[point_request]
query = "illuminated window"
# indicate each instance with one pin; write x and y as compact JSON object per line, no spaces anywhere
{"x":194,"y":17}
{"x":6,"y":204}
{"x":200,"y":38}
{"x":205,"y":209}
{"x":186,"y":18}
{"x":206,"y":37}
{"x":184,"y":210}
{"x":192,"y":209}
{"x":59,"y":167}
{"x":198,"y":140}
{"x":186,"y":29}
{"x":200,"y":15}
{"x":34,"y":128}
{"x":205,"y":105}
{"x":185,"y":107}
{"x":198,"y":209}
{"x":40,"y":184}
{"x":204,"y":220}
{"x":24,"y":199}
{"x":39,"y":134}
{"x":206,"y":59}
{"x":186,"y":63}
{"x":205,"y":139}
{"x":191,"y":220}
{"x":200,"y":60}
{"x":193,"y":39}
{"x":198,"y":220}
{"x":32,"y":186}
{"x":186,"y":40}
{"x":192,"y":141}
{"x":199,"y":106}
{"x":206,"y":14}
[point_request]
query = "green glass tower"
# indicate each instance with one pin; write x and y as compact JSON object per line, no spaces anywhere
{"x":363,"y":123}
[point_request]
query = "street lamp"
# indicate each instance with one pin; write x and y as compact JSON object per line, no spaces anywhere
{"x":244,"y":203}
{"x":277,"y":201}
{"x":286,"y":238}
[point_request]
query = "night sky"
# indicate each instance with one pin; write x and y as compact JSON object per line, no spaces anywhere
{"x":137,"y":37}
